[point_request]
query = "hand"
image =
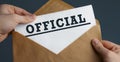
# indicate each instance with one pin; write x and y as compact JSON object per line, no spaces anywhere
{"x":10,"y":16}
{"x":109,"y":51}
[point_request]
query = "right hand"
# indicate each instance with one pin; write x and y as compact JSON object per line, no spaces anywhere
{"x":109,"y":51}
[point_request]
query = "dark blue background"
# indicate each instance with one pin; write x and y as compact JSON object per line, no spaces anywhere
{"x":106,"y":11}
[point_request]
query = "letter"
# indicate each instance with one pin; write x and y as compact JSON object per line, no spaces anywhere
{"x":73,"y":20}
{"x":30,"y":29}
{"x":38,"y":26}
{"x":45,"y":25}
{"x":58,"y":22}
{"x":80,"y":18}
{"x":52,"y":22}
{"x":66,"y":19}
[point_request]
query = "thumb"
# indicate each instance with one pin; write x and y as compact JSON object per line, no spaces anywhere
{"x":25,"y":18}
{"x":99,"y":47}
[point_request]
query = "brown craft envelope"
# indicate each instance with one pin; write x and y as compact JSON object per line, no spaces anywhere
{"x":26,"y":50}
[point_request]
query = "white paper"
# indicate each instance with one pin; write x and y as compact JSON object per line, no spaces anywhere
{"x":59,"y":38}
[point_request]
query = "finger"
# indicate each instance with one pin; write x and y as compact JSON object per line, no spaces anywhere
{"x":99,"y":47}
{"x":24,"y":19}
{"x":109,"y":45}
{"x":21,"y":11}
{"x":9,"y":21}
{"x":10,"y":9}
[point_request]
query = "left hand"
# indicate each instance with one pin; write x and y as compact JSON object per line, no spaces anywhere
{"x":10,"y":17}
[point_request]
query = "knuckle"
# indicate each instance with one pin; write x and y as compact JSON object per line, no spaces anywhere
{"x":108,"y":54}
{"x":14,"y":17}
{"x":103,"y":51}
{"x":17,"y":18}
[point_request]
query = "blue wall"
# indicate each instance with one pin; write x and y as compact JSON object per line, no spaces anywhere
{"x":107,"y":11}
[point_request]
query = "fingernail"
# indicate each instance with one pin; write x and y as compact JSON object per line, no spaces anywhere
{"x":95,"y":41}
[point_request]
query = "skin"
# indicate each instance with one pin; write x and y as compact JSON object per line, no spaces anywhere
{"x":11,"y":16}
{"x":109,"y":51}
